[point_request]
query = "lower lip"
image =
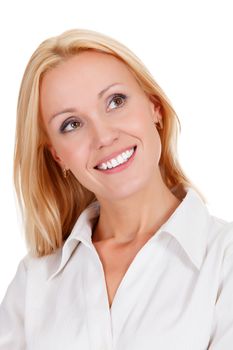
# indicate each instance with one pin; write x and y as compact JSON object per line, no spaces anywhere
{"x":120,"y":167}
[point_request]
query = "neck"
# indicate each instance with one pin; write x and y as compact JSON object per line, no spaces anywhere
{"x":135,"y":217}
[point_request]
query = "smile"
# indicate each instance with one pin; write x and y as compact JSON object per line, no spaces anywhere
{"x":118,"y":160}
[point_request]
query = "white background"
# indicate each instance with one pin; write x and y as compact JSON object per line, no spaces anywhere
{"x":187,"y":45}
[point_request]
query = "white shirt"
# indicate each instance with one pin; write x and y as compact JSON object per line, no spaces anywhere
{"x":177,"y":293}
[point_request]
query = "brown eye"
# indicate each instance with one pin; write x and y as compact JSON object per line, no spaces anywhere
{"x":117,"y":101}
{"x":70,"y":125}
{"x":75,"y":124}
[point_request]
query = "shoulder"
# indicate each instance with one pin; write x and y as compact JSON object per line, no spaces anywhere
{"x":220,"y":227}
{"x":41,"y":267}
{"x":220,"y":235}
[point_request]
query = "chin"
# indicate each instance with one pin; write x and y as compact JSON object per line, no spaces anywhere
{"x":124,"y":192}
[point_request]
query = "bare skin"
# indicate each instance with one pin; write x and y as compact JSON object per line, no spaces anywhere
{"x":134,"y":202}
{"x":117,"y":257}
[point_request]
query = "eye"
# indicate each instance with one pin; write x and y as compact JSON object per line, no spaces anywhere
{"x":117,"y":101}
{"x":70,"y":124}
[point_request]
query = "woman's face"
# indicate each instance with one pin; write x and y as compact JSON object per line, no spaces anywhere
{"x":96,"y":115}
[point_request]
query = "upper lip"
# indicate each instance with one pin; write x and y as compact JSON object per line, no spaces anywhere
{"x":113,"y":155}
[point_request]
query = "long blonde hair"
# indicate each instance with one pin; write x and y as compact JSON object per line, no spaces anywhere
{"x":50,"y":203}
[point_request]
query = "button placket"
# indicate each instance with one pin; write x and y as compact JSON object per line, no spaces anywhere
{"x":130,"y":291}
{"x":99,"y":321}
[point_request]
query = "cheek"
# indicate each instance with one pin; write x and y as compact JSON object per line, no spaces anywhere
{"x":142,"y":125}
{"x":75,"y":158}
{"x":71,"y":156}
{"x":155,"y":146}
{"x":140,"y":117}
{"x":151,"y":139}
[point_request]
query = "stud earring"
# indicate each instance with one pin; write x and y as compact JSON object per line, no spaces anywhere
{"x":65,"y":172}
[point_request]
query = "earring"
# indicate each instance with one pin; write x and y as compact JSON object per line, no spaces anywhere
{"x":159,"y":124}
{"x":65,"y":172}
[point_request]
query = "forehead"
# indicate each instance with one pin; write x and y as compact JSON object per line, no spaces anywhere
{"x":88,"y":69}
{"x":78,"y":80}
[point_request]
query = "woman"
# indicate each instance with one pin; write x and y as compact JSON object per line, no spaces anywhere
{"x":122,"y":251}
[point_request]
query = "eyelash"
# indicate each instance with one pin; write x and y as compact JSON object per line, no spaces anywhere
{"x":71,"y":120}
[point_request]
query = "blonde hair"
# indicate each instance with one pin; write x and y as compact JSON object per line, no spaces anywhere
{"x":49,"y":202}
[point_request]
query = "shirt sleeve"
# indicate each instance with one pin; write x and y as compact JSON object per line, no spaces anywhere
{"x":12,"y":312}
{"x":222,"y":328}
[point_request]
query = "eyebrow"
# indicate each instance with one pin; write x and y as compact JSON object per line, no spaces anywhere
{"x":72,"y":110}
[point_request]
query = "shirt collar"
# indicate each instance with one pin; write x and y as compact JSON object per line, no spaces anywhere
{"x":187,"y":224}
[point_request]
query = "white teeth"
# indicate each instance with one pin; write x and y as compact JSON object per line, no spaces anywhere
{"x":109,"y":165}
{"x":120,"y":159}
{"x":112,"y":163}
{"x":129,"y":153}
{"x":124,"y":155}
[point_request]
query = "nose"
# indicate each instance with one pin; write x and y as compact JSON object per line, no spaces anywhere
{"x":103,"y":134}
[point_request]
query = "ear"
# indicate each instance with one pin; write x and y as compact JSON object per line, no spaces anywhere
{"x":56,"y":156}
{"x":155,"y":110}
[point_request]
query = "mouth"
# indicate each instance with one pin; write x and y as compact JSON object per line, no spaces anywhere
{"x":118,"y":163}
